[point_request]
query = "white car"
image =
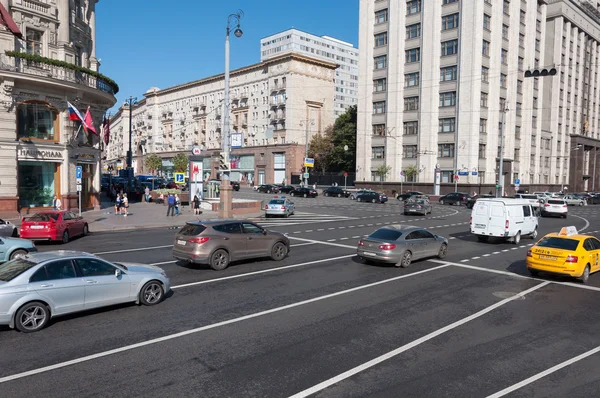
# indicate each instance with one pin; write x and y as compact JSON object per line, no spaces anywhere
{"x":555,"y":207}
{"x":575,"y":200}
{"x":533,"y":199}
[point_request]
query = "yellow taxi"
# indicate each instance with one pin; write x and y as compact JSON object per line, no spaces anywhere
{"x":566,"y":253}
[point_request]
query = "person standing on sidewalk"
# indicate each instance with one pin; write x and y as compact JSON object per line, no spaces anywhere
{"x":177,"y":204}
{"x":125,"y":204}
{"x":171,"y":202}
{"x":56,"y":203}
{"x":117,"y":204}
{"x":147,"y":194}
{"x":196,"y":205}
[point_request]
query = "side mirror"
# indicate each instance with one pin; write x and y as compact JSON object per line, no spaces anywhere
{"x":117,"y":273}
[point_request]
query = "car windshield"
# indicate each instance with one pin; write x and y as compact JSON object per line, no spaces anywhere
{"x":558,"y":243}
{"x":192,"y":229}
{"x":43,"y":217}
{"x":277,"y":202}
{"x":11,"y":269}
{"x":386,"y":234}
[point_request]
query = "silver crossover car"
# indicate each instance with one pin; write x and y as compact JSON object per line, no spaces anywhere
{"x":279,"y":206}
{"x":400,"y":245}
{"x":40,"y":286}
{"x":417,"y":206}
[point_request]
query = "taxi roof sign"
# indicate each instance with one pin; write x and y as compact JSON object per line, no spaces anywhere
{"x":568,"y":231}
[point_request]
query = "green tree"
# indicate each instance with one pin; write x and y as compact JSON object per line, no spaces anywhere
{"x":320,"y":149}
{"x":153,"y":163}
{"x":344,"y":134}
{"x":383,"y":171}
{"x":181,"y":163}
{"x":410,"y":173}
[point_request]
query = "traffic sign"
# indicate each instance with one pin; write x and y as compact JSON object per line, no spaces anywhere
{"x":196,"y":151}
{"x":517,"y":182}
{"x":345,"y":174}
{"x":456,"y":177}
{"x":306,"y":175}
{"x":79,"y":181}
{"x":179,"y":178}
{"x":78,"y":187}
{"x":517,"y":187}
{"x":309,"y":162}
{"x":78,"y":172}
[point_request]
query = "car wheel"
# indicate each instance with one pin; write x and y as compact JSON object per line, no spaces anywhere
{"x":339,"y":195}
{"x":286,"y":215}
{"x":269,"y":191}
{"x":219,"y":260}
{"x":374,"y":201}
{"x":305,"y":195}
{"x":152,"y":293}
{"x":482,"y":238}
{"x":564,"y":216}
{"x":65,"y":237}
{"x":405,"y":213}
{"x":326,"y":194}
{"x":441,"y":202}
{"x":443,"y":251}
{"x":585,"y":276}
{"x":406,"y":259}
{"x":267,"y":215}
{"x":32,"y":317}
{"x":292,"y":194}
{"x":457,"y":203}
{"x":534,"y":234}
{"x":358,"y":199}
{"x":517,"y":238}
{"x":15,"y":233}
{"x":533,"y":272}
{"x":279,"y":251}
{"x":18,"y":253}
{"x":86,"y":230}
{"x":580,"y":203}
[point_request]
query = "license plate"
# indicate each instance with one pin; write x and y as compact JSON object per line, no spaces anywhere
{"x":552,"y":258}
{"x":181,"y":242}
{"x":369,"y":254}
{"x":412,"y":210}
{"x":37,"y":227}
{"x":479,"y":226}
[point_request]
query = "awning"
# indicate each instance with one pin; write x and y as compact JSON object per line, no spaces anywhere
{"x":6,"y":20}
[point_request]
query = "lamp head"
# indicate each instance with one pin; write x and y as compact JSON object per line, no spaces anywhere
{"x":238,"y":32}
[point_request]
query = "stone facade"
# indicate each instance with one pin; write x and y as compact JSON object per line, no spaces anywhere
{"x":39,"y":146}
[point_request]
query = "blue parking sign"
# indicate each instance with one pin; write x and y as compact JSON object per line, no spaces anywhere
{"x":79,"y":172}
{"x":179,"y":178}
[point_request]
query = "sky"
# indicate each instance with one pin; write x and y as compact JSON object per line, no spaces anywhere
{"x":146,"y":43}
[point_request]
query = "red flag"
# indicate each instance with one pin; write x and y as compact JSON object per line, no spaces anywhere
{"x":88,"y":122}
{"x":106,"y":128}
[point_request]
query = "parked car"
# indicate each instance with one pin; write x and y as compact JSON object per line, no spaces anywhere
{"x":305,"y":192}
{"x":373,"y":197}
{"x":471,"y":201}
{"x":286,"y":188}
{"x":335,"y":191}
{"x":11,"y":248}
{"x":400,"y":245}
{"x":573,"y":199}
{"x":555,"y":207}
{"x":420,"y":206}
{"x":8,"y":229}
{"x":40,"y":286}
{"x":455,"y":198}
{"x":353,"y":195}
{"x":407,"y":195}
{"x":279,"y":206}
{"x":235,"y":185}
{"x":219,"y":242}
{"x":505,"y":218}
{"x":268,"y":188}
{"x":55,"y":225}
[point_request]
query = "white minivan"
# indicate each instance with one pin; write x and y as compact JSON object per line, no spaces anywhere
{"x":503,"y":218}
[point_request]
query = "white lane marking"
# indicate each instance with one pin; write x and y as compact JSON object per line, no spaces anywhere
{"x":361,"y":368}
{"x":331,"y":240}
{"x":496,"y":253}
{"x":486,"y":255}
{"x":587,"y":223}
{"x":321,"y":229}
{"x":308,"y":230}
{"x":452,"y":237}
{"x":545,"y":373}
{"x":297,"y":232}
{"x":264,"y":271}
{"x":164,"y":262}
{"x":322,"y":243}
{"x":138,"y":249}
{"x":475,"y":258}
{"x":356,"y":237}
{"x":464,"y":261}
{"x":302,"y":244}
{"x":130,"y":347}
{"x":344,"y":238}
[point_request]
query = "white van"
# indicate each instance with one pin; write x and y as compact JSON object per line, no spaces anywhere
{"x":503,"y":218}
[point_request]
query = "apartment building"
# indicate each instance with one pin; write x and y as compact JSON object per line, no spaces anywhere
{"x":322,"y":47}
{"x":270,"y":104}
{"x":434,"y":95}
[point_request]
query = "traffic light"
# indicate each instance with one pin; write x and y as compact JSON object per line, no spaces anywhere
{"x":540,"y":72}
{"x":223,"y":161}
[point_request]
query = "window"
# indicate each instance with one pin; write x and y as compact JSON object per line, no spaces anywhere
{"x":413,"y":7}
{"x":381,"y":16}
{"x":503,"y":79}
{"x":481,"y":151}
{"x":482,"y":126}
{"x":506,"y":7}
{"x":411,"y":128}
{"x":249,"y":228}
{"x":413,"y":31}
{"x":381,"y":39}
{"x":447,"y":125}
{"x":78,"y":9}
{"x":537,"y":44}
{"x":450,"y":22}
{"x":522,"y":40}
{"x":520,"y":86}
{"x":231,"y":228}
{"x":413,"y":55}
{"x":379,"y":107}
{"x":448,"y":99}
{"x":527,"y":211}
{"x":487,"y":22}
{"x":485,"y":74}
{"x":505,"y":32}
{"x":522,"y":17}
{"x":380,"y":62}
{"x":448,"y":73}
{"x":61,"y":269}
{"x":411,"y":103}
{"x":93,"y":267}
{"x":36,"y":120}
{"x":449,"y":1}
{"x":483,"y":102}
{"x":446,"y":150}
{"x":411,"y":79}
{"x":517,"y":155}
{"x":520,"y":63}
{"x":449,"y":47}
{"x":504,"y":56}
{"x":378,"y":152}
{"x":485,"y":49}
{"x":34,"y":42}
{"x":379,"y":85}
{"x":409,"y":151}
{"x":379,"y":129}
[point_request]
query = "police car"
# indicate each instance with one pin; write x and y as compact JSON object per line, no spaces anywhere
{"x":279,"y":206}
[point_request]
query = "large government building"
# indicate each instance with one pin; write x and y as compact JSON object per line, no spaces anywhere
{"x":275,"y":106}
{"x":48,"y":58}
{"x":437,"y":76}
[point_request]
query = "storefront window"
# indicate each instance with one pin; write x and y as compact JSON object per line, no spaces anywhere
{"x":36,"y":183}
{"x":36,"y":121}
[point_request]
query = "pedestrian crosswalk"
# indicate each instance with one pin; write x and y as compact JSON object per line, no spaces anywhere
{"x":299,"y":218}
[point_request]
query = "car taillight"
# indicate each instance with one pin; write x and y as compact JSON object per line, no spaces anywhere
{"x":529,"y":254}
{"x":199,"y":241}
{"x":470,"y":220}
{"x":565,"y":205}
{"x":266,"y":207}
{"x":506,"y":224}
{"x":282,"y":207}
{"x":387,"y":247}
{"x":419,"y":207}
{"x":571,"y":259}
{"x":546,"y":205}
{"x":361,"y":243}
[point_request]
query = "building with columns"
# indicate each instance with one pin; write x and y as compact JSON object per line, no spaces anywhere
{"x":48,"y":58}
{"x":270,"y":103}
{"x":433,"y":95}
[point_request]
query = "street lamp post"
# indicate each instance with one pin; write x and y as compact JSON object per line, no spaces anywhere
{"x":225,"y":200}
{"x":500,"y":191}
{"x":130,"y":102}
{"x":308,"y":123}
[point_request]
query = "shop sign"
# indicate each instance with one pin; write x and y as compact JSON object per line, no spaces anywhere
{"x":85,"y":158}
{"x":40,"y":154}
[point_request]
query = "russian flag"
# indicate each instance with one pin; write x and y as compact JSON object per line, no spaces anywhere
{"x":74,"y":114}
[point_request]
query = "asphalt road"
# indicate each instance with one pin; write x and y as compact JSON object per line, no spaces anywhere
{"x":321,"y":323}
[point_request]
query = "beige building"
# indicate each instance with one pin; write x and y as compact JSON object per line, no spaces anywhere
{"x":432,"y":95}
{"x":39,"y":147}
{"x":269,"y":100}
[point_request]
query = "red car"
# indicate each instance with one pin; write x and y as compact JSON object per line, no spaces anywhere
{"x":58,"y":225}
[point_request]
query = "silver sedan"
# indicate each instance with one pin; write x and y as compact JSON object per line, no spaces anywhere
{"x":40,"y":286}
{"x":8,"y":229}
{"x":400,"y":245}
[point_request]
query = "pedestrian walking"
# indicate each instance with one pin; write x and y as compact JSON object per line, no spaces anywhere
{"x":196,"y":204}
{"x":147,"y":194}
{"x":118,"y":204}
{"x":56,"y":204}
{"x":125,"y":204}
{"x":171,"y":202}
{"x":177,"y":204}
{"x":217,"y":190}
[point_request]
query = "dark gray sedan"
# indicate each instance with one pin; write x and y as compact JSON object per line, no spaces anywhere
{"x":419,"y":206}
{"x":400,"y":245}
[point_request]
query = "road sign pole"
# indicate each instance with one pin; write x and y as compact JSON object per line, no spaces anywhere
{"x":79,"y":193}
